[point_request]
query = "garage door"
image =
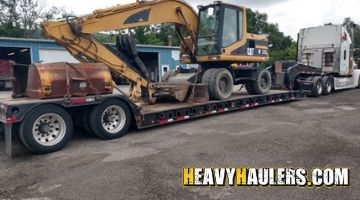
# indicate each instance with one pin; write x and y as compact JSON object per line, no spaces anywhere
{"x":56,"y":55}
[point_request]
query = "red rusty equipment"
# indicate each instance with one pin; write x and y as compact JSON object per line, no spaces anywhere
{"x":58,"y":80}
{"x":6,"y":74}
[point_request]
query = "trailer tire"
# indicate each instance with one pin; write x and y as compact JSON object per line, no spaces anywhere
{"x":358,"y":86}
{"x":326,"y":81}
{"x":46,"y":129}
{"x":262,"y":83}
{"x":85,"y":122}
{"x":221,"y":84}
{"x":317,"y":89}
{"x":110,"y":119}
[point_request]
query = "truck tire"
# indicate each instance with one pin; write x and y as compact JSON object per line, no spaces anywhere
{"x":46,"y":129}
{"x":110,"y":119}
{"x":317,"y":89}
{"x":358,"y":85}
{"x":221,"y":84}
{"x":262,"y":83}
{"x":326,"y":81}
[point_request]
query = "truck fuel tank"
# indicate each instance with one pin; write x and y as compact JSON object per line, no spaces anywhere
{"x":56,"y":80}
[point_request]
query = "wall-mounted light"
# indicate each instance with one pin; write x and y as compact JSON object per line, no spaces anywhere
{"x":10,"y":54}
{"x":23,"y":50}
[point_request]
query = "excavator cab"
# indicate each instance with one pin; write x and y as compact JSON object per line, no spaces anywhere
{"x":220,"y":25}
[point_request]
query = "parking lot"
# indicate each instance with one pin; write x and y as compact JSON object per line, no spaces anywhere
{"x":147,"y":164}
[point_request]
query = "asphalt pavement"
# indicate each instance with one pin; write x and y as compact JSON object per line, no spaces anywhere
{"x":147,"y":164}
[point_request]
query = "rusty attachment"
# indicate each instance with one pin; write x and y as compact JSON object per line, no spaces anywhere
{"x":57,"y":80}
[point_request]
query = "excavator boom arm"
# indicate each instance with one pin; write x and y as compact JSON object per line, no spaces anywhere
{"x":75,"y":33}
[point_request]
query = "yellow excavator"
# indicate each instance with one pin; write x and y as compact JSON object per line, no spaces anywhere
{"x":216,"y":38}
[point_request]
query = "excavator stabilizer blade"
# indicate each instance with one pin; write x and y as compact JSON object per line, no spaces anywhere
{"x":182,"y":92}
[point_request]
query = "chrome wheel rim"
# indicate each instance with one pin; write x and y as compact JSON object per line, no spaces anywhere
{"x":49,"y":129}
{"x":319,"y":88}
{"x":113,"y":119}
{"x":328,"y":88}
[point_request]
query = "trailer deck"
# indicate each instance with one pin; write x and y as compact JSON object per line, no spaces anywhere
{"x":13,"y":110}
{"x":165,"y":113}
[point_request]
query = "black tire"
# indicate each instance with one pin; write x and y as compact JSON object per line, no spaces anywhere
{"x":249,"y":88}
{"x":85,"y":122}
{"x":327,"y":86}
{"x":55,"y":132}
{"x":358,"y":87}
{"x":262,"y":83}
{"x":317,"y":89}
{"x":206,"y":76}
{"x":110,"y":119}
{"x":221,"y":84}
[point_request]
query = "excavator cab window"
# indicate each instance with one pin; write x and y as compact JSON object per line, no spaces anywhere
{"x":209,"y":18}
{"x":220,"y":25}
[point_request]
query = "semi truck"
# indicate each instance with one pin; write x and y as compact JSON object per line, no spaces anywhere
{"x":325,"y":62}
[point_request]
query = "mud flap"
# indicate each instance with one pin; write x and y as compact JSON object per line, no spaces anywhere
{"x":13,"y":147}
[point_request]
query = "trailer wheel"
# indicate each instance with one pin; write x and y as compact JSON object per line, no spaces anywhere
{"x":46,"y":129}
{"x":221,"y":84}
{"x":358,"y":86}
{"x":110,"y":119}
{"x":317,"y":89}
{"x":326,"y":81}
{"x":262,"y":83}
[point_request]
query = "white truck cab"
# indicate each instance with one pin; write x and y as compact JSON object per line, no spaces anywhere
{"x":329,"y":47}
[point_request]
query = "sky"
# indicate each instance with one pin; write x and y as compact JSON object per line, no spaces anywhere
{"x":290,"y":15}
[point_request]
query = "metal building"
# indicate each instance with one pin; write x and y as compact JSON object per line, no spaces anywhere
{"x":158,"y":59}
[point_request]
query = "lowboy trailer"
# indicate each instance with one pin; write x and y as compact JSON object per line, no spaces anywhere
{"x":26,"y":118}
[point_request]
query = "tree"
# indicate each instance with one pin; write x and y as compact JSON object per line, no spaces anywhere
{"x":156,"y":35}
{"x":354,"y":28}
{"x":22,"y":18}
{"x":9,"y":19}
{"x":282,"y":47}
{"x":31,"y":11}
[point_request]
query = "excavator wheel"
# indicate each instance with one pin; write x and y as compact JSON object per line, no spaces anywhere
{"x":261,"y":84}
{"x":206,"y":76}
{"x":249,"y":88}
{"x":220,"y":83}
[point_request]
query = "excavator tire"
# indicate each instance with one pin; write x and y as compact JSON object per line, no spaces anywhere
{"x":249,"y":88}
{"x":262,"y":83}
{"x":221,"y":84}
{"x":206,"y":76}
